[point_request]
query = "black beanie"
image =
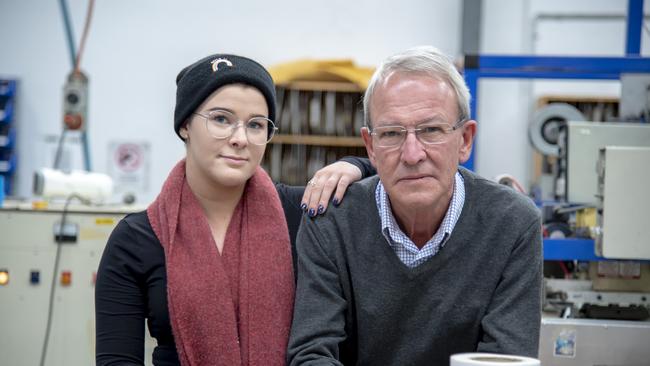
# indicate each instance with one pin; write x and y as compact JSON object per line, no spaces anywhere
{"x":197,"y":81}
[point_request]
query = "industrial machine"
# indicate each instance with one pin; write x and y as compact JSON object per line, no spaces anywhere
{"x":583,"y":143}
{"x":623,"y":195}
{"x":597,"y":272}
{"x":31,"y":236}
{"x":598,"y":313}
{"x":588,"y":342}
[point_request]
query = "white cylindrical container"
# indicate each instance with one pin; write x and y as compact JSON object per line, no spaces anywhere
{"x":491,"y":359}
{"x":95,"y":187}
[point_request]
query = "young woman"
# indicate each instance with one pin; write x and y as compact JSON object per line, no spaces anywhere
{"x":209,"y":263}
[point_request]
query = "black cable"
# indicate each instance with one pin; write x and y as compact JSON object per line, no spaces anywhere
{"x":59,"y":149}
{"x":59,"y":242}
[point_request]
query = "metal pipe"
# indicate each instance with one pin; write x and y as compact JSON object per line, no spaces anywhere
{"x":68,"y":31}
{"x":634,"y":24}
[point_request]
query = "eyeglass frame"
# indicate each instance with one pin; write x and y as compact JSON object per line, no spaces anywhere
{"x":271,"y":129}
{"x":459,"y":123}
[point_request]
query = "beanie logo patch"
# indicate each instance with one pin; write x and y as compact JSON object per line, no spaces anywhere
{"x":215,"y":63}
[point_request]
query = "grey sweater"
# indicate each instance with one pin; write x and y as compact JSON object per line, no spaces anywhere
{"x":358,"y":304}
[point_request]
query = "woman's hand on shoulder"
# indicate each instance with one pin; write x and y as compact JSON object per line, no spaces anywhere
{"x":332,"y":179}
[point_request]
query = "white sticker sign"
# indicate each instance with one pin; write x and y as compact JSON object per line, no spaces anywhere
{"x":129,"y":167}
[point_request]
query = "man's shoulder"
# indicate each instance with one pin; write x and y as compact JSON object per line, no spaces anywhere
{"x":360,"y":195}
{"x":366,"y":185}
{"x":490,"y":196}
{"x":358,"y":206}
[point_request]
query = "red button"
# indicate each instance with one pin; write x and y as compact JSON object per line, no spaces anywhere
{"x":66,"y":278}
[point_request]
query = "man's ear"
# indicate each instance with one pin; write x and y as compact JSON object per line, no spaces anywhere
{"x":468,"y":133}
{"x":367,"y":140}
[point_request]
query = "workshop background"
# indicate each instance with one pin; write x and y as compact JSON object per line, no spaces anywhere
{"x":134,"y":50}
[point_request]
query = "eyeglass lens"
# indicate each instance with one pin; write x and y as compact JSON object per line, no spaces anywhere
{"x":222,"y":124}
{"x":428,"y":133}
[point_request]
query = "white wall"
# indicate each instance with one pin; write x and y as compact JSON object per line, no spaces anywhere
{"x":136,"y":47}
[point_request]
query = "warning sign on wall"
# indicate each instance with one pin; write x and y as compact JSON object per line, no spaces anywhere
{"x":129,"y":167}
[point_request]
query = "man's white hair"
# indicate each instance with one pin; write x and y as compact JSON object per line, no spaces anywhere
{"x":425,"y":60}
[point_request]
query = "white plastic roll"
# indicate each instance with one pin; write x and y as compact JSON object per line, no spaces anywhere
{"x":95,"y":187}
{"x":491,"y":359}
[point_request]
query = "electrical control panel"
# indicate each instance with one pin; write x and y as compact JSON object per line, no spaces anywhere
{"x":623,"y":178}
{"x":28,"y":245}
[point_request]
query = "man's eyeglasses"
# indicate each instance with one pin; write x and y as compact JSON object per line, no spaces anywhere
{"x":428,"y":133}
{"x":221,"y":124}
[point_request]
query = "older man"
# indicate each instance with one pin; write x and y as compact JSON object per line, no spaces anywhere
{"x":427,"y":259}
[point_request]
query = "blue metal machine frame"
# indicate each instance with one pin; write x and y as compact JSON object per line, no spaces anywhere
{"x":547,"y":67}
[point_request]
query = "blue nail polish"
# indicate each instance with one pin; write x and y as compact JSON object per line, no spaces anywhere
{"x":311,"y":212}
{"x":303,"y":207}
{"x":321,"y":209}
{"x":335,"y":201}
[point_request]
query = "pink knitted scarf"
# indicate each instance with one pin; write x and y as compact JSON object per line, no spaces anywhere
{"x":208,"y":329}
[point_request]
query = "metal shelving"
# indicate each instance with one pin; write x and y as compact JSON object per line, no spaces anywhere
{"x":7,"y":132}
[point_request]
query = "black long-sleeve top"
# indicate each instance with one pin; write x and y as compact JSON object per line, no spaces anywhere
{"x":132,"y":285}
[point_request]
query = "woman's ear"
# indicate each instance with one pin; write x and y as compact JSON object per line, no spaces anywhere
{"x":183,"y":131}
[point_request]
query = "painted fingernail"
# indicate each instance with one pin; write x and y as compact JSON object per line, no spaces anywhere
{"x":311,"y":212}
{"x":335,"y":201}
{"x":303,"y":207}
{"x":321,"y":209}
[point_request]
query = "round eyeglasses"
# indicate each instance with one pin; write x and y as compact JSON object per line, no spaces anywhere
{"x":221,"y":124}
{"x":428,"y":133}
